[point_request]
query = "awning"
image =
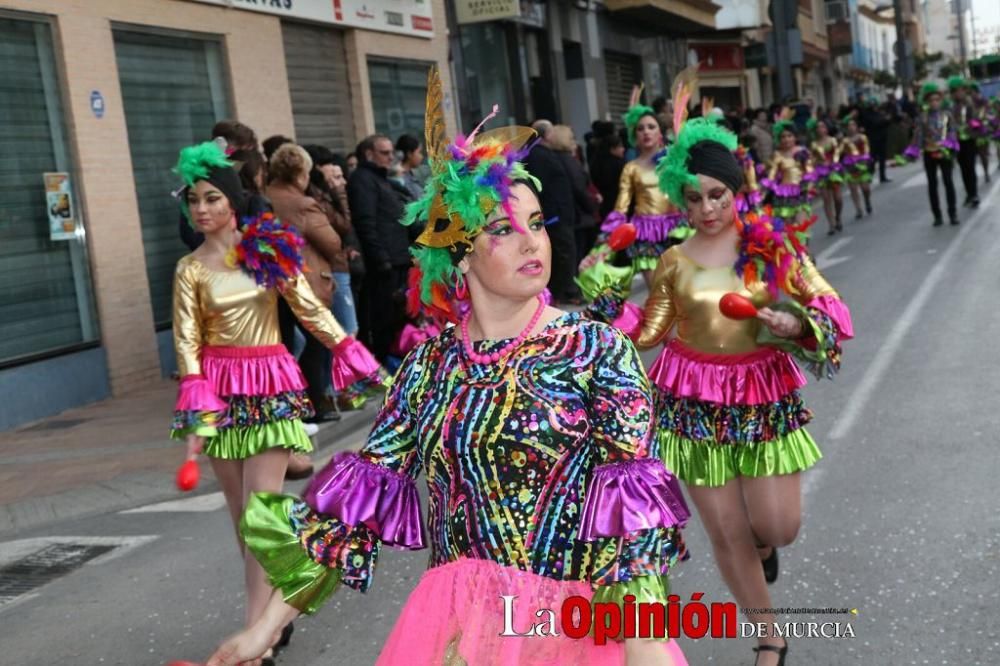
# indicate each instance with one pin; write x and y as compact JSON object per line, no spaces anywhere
{"x":678,"y":16}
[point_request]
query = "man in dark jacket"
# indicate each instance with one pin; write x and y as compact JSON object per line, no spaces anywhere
{"x":557,"y":203}
{"x":376,"y":208}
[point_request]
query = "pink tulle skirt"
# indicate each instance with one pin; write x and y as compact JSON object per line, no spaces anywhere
{"x":456,"y":615}
{"x":762,"y":376}
{"x":257,"y":371}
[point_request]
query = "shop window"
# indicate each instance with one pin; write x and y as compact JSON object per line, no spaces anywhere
{"x":399,"y":94}
{"x":173,"y":90}
{"x":487,"y":74}
{"x":46,"y":298}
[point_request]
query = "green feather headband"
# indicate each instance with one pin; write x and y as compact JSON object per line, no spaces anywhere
{"x":929,"y":88}
{"x":633,"y":116}
{"x":780,"y":126}
{"x":956,"y":82}
{"x":197,"y":161}
{"x":673,"y":171}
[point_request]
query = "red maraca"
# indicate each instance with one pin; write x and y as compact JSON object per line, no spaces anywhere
{"x":735,"y":306}
{"x":622,"y":237}
{"x":188,"y":475}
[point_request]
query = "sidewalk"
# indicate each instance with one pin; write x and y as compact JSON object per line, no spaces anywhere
{"x":109,"y":456}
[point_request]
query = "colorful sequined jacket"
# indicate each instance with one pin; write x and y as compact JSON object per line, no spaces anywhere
{"x":538,"y":462}
{"x":935,"y":135}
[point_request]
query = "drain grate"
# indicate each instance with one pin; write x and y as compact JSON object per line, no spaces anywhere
{"x":44,"y":566}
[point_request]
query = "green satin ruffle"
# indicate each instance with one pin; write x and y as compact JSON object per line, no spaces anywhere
{"x":267,"y":532}
{"x":645,"y":263}
{"x":241,"y":442}
{"x":708,"y":464}
{"x":645,"y":589}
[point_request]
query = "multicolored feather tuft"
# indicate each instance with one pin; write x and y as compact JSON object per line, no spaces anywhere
{"x":270,"y":250}
{"x":195,"y":162}
{"x":772,"y":250}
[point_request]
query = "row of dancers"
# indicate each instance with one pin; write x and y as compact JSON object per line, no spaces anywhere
{"x":552,"y":457}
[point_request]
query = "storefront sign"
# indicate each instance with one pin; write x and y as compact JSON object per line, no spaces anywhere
{"x":715,"y":57}
{"x":477,"y":11}
{"x":406,"y":17}
{"x":59,"y":202}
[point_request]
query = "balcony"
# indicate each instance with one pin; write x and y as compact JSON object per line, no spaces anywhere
{"x":676,"y":16}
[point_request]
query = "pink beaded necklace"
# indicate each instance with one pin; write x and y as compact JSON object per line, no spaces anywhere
{"x":495,"y":356}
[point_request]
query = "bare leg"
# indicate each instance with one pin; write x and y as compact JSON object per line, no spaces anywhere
{"x":229,"y":473}
{"x":856,"y":200}
{"x":774,"y":506}
{"x":831,"y":217}
{"x":866,"y":189}
{"x":838,"y":203}
{"x":264,"y":472}
{"x":252,"y":643}
{"x":647,"y":277}
{"x":724,"y":514}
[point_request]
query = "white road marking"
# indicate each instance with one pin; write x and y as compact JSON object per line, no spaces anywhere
{"x":826,"y":258}
{"x":198,"y":503}
{"x":861,"y":397}
{"x":916,"y":180}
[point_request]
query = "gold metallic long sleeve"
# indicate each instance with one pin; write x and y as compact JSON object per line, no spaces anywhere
{"x":639,"y":187}
{"x":811,"y":283}
{"x":659,"y":312}
{"x":624,"y":200}
{"x":187,"y":320}
{"x":312,"y":312}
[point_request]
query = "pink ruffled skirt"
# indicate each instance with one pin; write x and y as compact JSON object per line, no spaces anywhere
{"x":252,"y":371}
{"x":456,"y":614}
{"x":766,"y":375}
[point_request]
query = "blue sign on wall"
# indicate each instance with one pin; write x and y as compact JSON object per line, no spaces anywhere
{"x":97,"y":103}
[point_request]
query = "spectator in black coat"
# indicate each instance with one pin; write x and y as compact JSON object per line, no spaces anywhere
{"x":560,"y":214}
{"x":585,"y":224}
{"x":606,"y":171}
{"x":376,"y":208}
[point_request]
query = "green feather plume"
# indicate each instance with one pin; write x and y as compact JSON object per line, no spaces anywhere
{"x":673,"y":171}
{"x":195,"y":162}
{"x":780,"y":126}
{"x":633,"y":116}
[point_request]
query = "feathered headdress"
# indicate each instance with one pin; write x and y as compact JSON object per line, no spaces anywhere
{"x":198,"y":161}
{"x":470,"y":177}
{"x":783,"y":123}
{"x":929,"y":88}
{"x":956,"y":82}
{"x":673,"y":170}
{"x":635,"y":113}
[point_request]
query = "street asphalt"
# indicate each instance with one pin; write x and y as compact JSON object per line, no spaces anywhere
{"x":900,"y":517}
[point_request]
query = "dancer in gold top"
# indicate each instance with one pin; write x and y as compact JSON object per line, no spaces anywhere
{"x":829,"y":173}
{"x":857,"y":160}
{"x":790,"y":175}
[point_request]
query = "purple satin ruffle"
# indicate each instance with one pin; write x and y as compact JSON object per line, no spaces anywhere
{"x":746,"y":201}
{"x":851,"y":160}
{"x":763,"y":376}
{"x":357,"y":492}
{"x":195,"y":394}
{"x":656,"y":228}
{"x":352,"y":362}
{"x":782,"y":190}
{"x":912,"y":152}
{"x":648,"y":228}
{"x":950,"y":144}
{"x":632,"y":495}
{"x":838,"y":311}
{"x":614,"y":220}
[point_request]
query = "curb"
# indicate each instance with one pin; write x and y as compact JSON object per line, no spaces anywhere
{"x":135,"y":490}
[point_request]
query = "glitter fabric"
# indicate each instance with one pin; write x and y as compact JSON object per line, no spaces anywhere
{"x":510,"y":451}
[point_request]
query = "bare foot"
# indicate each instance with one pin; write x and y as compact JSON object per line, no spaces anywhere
{"x":242,"y":649}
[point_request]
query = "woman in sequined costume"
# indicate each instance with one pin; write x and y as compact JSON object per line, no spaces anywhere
{"x":730,"y":419}
{"x":530,"y":426}
{"x":242,"y":396}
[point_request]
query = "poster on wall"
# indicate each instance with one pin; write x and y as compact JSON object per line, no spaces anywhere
{"x":405,"y":17}
{"x":59,"y":206}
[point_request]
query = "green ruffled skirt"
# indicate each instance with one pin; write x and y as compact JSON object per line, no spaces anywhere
{"x":241,"y":442}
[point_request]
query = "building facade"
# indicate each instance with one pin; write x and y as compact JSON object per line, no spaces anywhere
{"x":98,"y":97}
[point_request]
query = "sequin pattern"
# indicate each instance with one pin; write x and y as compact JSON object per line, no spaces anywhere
{"x":332,"y":543}
{"x":247,"y":410}
{"x":507,"y":449}
{"x":715,"y":423}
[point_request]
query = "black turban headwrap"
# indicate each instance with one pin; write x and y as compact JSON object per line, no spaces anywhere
{"x":711,"y":158}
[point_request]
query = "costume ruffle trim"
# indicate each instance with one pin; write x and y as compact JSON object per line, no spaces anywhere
{"x":265,"y":370}
{"x":764,"y":376}
{"x":628,"y":496}
{"x":702,"y":463}
{"x":359,"y":492}
{"x":241,"y":442}
{"x":819,"y":349}
{"x":355,"y":371}
{"x":198,"y":410}
{"x":267,"y":529}
{"x":731,"y":424}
